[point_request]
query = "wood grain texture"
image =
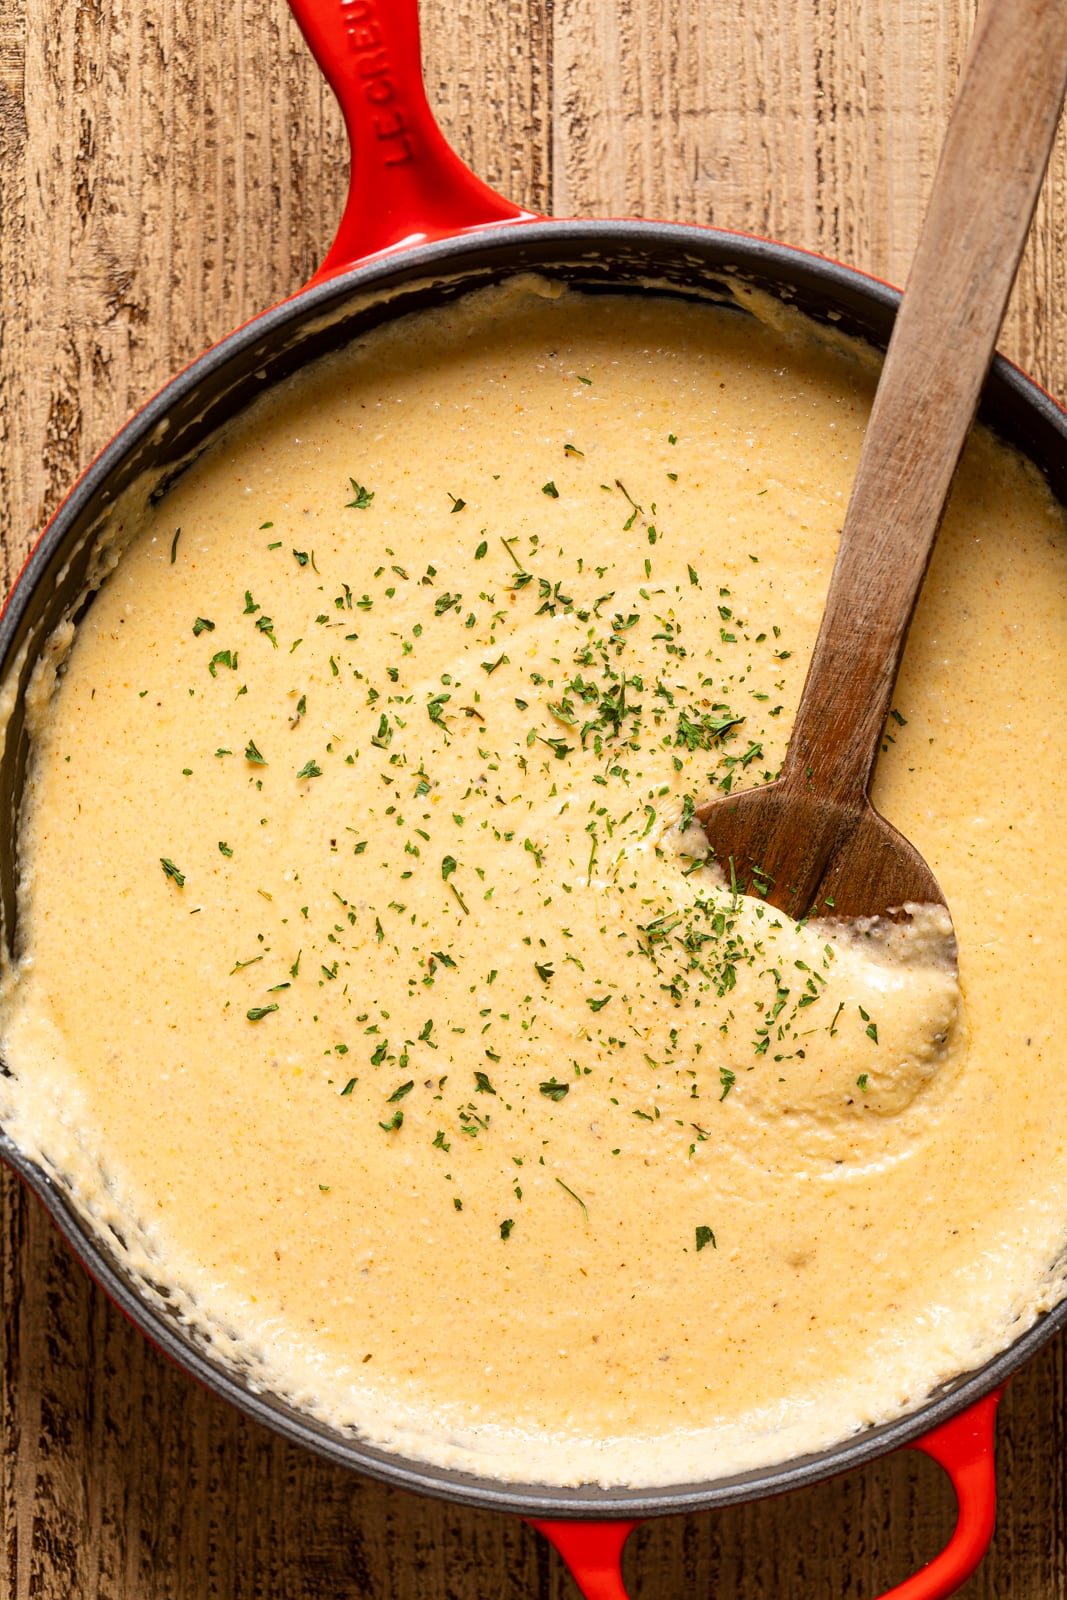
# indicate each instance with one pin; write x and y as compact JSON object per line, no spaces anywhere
{"x":166,"y":170}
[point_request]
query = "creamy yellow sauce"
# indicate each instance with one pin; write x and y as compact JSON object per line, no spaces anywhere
{"x":372,"y":984}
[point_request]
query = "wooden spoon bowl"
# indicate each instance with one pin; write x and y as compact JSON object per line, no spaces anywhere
{"x":830,"y":861}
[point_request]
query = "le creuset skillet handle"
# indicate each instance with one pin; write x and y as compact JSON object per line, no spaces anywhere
{"x":963,"y":1446}
{"x":407,"y":184}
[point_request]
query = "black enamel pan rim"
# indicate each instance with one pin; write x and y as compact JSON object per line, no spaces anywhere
{"x":616,"y":252}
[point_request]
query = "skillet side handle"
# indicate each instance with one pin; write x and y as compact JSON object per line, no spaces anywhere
{"x":593,"y":1552}
{"x":407,"y":185}
{"x":963,"y":1447}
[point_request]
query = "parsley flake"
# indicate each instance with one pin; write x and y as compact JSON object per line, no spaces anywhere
{"x":570,"y":1191}
{"x":363,"y":496}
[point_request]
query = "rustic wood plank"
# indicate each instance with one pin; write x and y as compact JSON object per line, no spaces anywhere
{"x":165,"y":171}
{"x":488,"y":75}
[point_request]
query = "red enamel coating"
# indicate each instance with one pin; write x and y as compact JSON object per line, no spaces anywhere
{"x":593,"y":1552}
{"x":963,"y":1446}
{"x":407,"y":184}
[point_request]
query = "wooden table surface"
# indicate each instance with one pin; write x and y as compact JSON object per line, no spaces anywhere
{"x":167,"y":169}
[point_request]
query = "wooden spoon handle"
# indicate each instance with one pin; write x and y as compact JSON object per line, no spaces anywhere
{"x":984,"y":193}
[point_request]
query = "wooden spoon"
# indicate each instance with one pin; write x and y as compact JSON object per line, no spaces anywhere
{"x":811,"y":841}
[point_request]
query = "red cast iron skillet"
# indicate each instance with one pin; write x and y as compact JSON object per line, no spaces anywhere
{"x":420,"y":229}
